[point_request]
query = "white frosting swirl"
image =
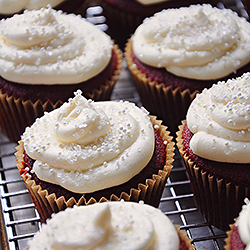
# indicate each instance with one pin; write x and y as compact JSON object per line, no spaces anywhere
{"x":219,"y":118}
{"x":108,"y":225}
{"x":49,"y":47}
{"x":15,"y":6}
{"x":243,"y":223}
{"x":198,"y":42}
{"x":86,"y":146}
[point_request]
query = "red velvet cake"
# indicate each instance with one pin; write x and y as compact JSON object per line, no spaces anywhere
{"x":238,"y":235}
{"x":120,"y":153}
{"x":235,"y":242}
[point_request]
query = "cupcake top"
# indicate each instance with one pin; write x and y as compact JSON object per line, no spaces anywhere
{"x":50,"y":47}
{"x":197,"y":42}
{"x":219,"y":118}
{"x":14,"y":6}
{"x":108,"y":225}
{"x":85,"y":146}
{"x":243,"y":223}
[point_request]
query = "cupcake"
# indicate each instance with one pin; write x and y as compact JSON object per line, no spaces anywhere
{"x":179,"y":52}
{"x":85,"y":152}
{"x":9,"y":8}
{"x":238,"y":235}
{"x":214,"y":144}
{"x":46,"y":55}
{"x":110,"y":225}
{"x":124,"y":16}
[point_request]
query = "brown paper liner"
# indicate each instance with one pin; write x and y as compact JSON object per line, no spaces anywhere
{"x":218,"y":201}
{"x":150,"y":191}
{"x":16,"y":114}
{"x":183,"y":236}
{"x":168,"y":104}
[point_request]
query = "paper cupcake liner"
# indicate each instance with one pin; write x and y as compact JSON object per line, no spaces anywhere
{"x":168,"y":104}
{"x":218,"y":201}
{"x":16,"y":114}
{"x":150,"y":191}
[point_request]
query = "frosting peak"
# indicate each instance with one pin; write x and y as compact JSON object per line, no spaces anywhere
{"x":198,"y":42}
{"x":86,"y":146}
{"x":79,"y":121}
{"x":219,"y":118}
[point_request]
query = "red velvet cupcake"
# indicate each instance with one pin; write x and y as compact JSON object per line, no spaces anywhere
{"x":8,"y":9}
{"x":51,"y":56}
{"x":214,"y":144}
{"x":86,"y":152}
{"x":124,"y":16}
{"x":114,"y":225}
{"x":178,"y":52}
{"x":239,"y":231}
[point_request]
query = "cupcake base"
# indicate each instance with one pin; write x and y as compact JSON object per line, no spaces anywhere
{"x":150,"y":191}
{"x":219,"y":200}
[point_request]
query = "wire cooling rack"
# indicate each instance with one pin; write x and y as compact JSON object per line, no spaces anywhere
{"x":19,"y":220}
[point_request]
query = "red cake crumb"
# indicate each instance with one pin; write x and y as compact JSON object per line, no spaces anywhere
{"x":235,"y":242}
{"x":183,"y":245}
{"x":156,"y":163}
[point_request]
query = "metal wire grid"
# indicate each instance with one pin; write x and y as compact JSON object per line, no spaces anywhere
{"x":19,"y":220}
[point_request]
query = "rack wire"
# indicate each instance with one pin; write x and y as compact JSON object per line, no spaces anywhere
{"x":19,"y":220}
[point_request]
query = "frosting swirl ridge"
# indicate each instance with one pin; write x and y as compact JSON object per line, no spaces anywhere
{"x":198,"y":42}
{"x":243,"y":223}
{"x":47,"y":47}
{"x":219,"y":118}
{"x":86,"y":146}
